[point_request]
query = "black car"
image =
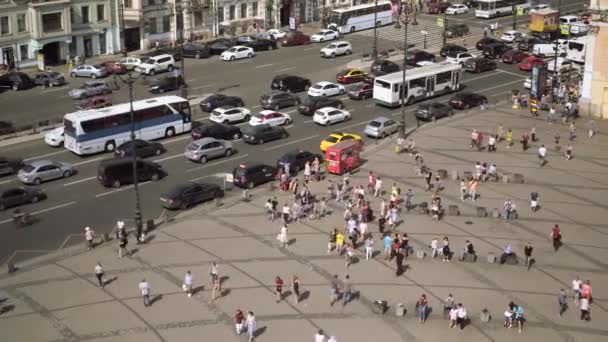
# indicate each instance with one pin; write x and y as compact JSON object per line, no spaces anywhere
{"x":361,"y":91}
{"x":209,"y":103}
{"x":479,"y":64}
{"x":415,"y":56}
{"x":143,"y":149}
{"x":16,"y":81}
{"x":485,"y":41}
{"x":49,"y":79}
{"x":248,"y":176}
{"x":451,"y":49}
{"x":311,"y":104}
{"x":297,"y":159}
{"x":184,"y":196}
{"x":495,"y":50}
{"x":385,"y":66}
{"x":457,"y":30}
{"x":467,"y":100}
{"x":6,"y":128}
{"x":217,"y":131}
{"x":164,"y":84}
{"x":277,"y":99}
{"x":13,"y":197}
{"x":9,"y":166}
{"x":290,"y":83}
{"x":528,"y":43}
{"x":263,"y":133}
{"x":220,"y":45}
{"x":175,"y":52}
{"x":433,"y":110}
{"x":194,"y":50}
{"x":261,"y":44}
{"x":118,"y":171}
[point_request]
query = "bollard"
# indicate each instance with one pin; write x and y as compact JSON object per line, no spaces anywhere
{"x":150,"y":225}
{"x":106,"y":237}
{"x":485,"y":315}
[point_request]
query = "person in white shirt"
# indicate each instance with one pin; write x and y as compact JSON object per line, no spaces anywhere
{"x":542,"y":155}
{"x":319,"y":336}
{"x":188,"y":283}
{"x":492,"y":143}
{"x":88,"y":235}
{"x":577,"y":285}
{"x":251,"y":325}
{"x":99,"y":274}
{"x":478,"y":170}
{"x":285,"y":213}
{"x":435,"y":247}
{"x":461,"y":316}
{"x":453,"y":317}
{"x":144,"y":289}
{"x":283,"y":236}
{"x":585,"y":309}
{"x":369,"y":247}
{"x":378,"y":187}
{"x":492,"y":172}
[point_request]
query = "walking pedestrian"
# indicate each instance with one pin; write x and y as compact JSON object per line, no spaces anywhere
{"x":453,"y":317}
{"x":568,"y":153}
{"x":492,"y":143}
{"x":562,"y":300}
{"x":285,"y":213}
{"x":123,"y":241}
{"x":88,"y":235}
{"x":187,"y":286}
{"x":542,"y":155}
{"x":461,"y":316}
{"x":577,"y":287}
{"x":144,"y":289}
{"x":320,"y":336}
{"x":474,"y":135}
{"x":340,"y":242}
{"x":282,"y":237}
{"x":347,"y":288}
{"x":422,"y":306}
{"x":473,"y":185}
{"x":435,"y":251}
{"x":398,"y":257}
{"x":295,"y":288}
{"x":428,"y":176}
{"x":591,"y":128}
{"x":500,"y":133}
{"x":509,"y":138}
{"x":334,"y":290}
{"x":251,"y":325}
{"x":349,"y":255}
{"x":506,"y":210}
{"x":556,"y":236}
{"x":388,"y":244}
{"x":99,"y":272}
{"x":332,"y":240}
{"x":239,"y":317}
{"x":278,"y":285}
{"x":528,"y":254}
{"x":519,"y":317}
{"x":378,"y":187}
{"x":269,"y":210}
{"x":533,"y":134}
{"x":371,"y":181}
{"x":446,"y":250}
{"x":369,"y":247}
{"x":216,"y":287}
{"x":585,"y":309}
{"x":572,"y":131}
{"x":449,"y":304}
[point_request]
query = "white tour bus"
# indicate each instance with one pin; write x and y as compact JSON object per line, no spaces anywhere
{"x":360,"y":17}
{"x":99,"y":130}
{"x":576,"y":49}
{"x":496,"y":8}
{"x":421,"y":83}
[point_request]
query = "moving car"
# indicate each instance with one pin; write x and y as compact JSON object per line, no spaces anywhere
{"x":119,"y":171}
{"x":212,"y":101}
{"x":91,"y":88}
{"x":237,"y":52}
{"x":248,"y":176}
{"x":15,"y":81}
{"x":297,"y":160}
{"x":196,"y":50}
{"x":527,"y":43}
{"x":143,"y":149}
{"x":479,"y":64}
{"x":115,"y":67}
{"x":385,"y":66}
{"x":457,"y":9}
{"x":465,"y":100}
{"x":295,"y":38}
{"x":450,"y":49}
{"x":187,"y":195}
{"x":495,"y":50}
{"x":55,"y":137}
{"x":156,"y":64}
{"x":329,"y":115}
{"x":485,"y":41}
{"x":208,"y":148}
{"x":228,"y":115}
{"x":39,"y":171}
{"x":336,"y":137}
{"x":457,"y":30}
{"x":277,"y":99}
{"x":361,"y":91}
{"x":9,"y":166}
{"x":437,"y":7}
{"x":217,"y":131}
{"x":459,"y":57}
{"x":513,"y":56}
{"x":415,"y":56}
{"x":95,"y":102}
{"x":262,"y":133}
{"x":324,"y":35}
{"x":88,"y":70}
{"x":433,"y":111}
{"x":277,"y":34}
{"x":511,"y":36}
{"x":290,"y":83}
{"x":326,"y":89}
{"x":17,"y":196}
{"x":350,"y":75}
{"x":216,"y":47}
{"x":529,"y":62}
{"x":271,"y":118}
{"x":381,"y":127}
{"x":311,"y":104}
{"x":165,"y":84}
{"x":176,"y":53}
{"x":49,"y":79}
{"x":130,"y":62}
{"x":337,"y":49}
{"x":258,"y":44}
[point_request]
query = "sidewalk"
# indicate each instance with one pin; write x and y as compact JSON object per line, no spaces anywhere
{"x":55,"y":298}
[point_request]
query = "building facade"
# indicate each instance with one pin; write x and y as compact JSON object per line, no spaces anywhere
{"x":594,"y":92}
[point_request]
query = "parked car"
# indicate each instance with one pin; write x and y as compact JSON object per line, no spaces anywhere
{"x":249,"y":176}
{"x":15,"y":81}
{"x":277,"y":99}
{"x":131,"y":62}
{"x":212,"y":101}
{"x":485,"y":41}
{"x":187,"y":195}
{"x":384,"y":65}
{"x":220,"y":45}
{"x":479,"y":64}
{"x":88,"y":70}
{"x":9,"y":166}
{"x":154,"y":65}
{"x":324,"y":35}
{"x":204,"y":149}
{"x":350,"y":75}
{"x":495,"y":50}
{"x":271,"y":118}
{"x":119,"y":171}
{"x":237,"y":52}
{"x":95,"y":102}
{"x":527,"y":43}
{"x":176,"y":53}
{"x":415,"y":56}
{"x":297,"y":160}
{"x":196,"y":50}
{"x":311,"y":104}
{"x":228,"y":115}
{"x":457,"y":9}
{"x":290,"y":83}
{"x":55,"y":137}
{"x":459,"y":57}
{"x":511,"y":36}
{"x":433,"y":111}
{"x":381,"y":127}
{"x":16,"y":196}
{"x":49,"y":79}
{"x":437,"y":7}
{"x":165,"y":84}
{"x":361,"y":91}
{"x":451,"y":49}
{"x":262,"y":133}
{"x":465,"y":100}
{"x":529,"y":62}
{"x":337,"y":137}
{"x":326,"y":89}
{"x":329,"y":115}
{"x":39,"y":171}
{"x":295,"y":38}
{"x":142,"y":148}
{"x":217,"y":131}
{"x":457,"y":30}
{"x":337,"y":49}
{"x":91,"y":88}
{"x":277,"y":34}
{"x":513,"y":56}
{"x":115,"y":67}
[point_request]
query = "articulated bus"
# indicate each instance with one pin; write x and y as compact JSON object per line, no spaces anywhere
{"x":99,"y":130}
{"x":496,"y":8}
{"x":421,"y":83}
{"x":360,"y":17}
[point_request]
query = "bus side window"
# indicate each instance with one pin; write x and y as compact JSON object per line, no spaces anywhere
{"x":395,"y":88}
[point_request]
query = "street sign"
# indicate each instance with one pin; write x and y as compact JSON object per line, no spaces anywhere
{"x":564,"y":29}
{"x":521,"y":11}
{"x":292,"y":23}
{"x":440,"y":22}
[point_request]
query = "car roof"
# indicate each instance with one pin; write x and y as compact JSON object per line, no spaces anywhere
{"x":323,"y":83}
{"x":160,"y":56}
{"x":205,"y":140}
{"x":269,"y":111}
{"x":240,"y":46}
{"x":38,"y":163}
{"x":326,"y":109}
{"x":380,"y":119}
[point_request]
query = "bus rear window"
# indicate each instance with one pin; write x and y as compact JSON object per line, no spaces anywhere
{"x":383,"y":84}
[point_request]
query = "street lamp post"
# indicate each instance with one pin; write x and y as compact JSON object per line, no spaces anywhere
{"x":179,"y":14}
{"x":404,"y":18}
{"x":414,"y":9}
{"x":445,"y":29}
{"x":375,"y":46}
{"x":514,"y":10}
{"x":121,"y":9}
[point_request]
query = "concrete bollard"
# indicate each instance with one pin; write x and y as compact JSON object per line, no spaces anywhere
{"x":443,"y":174}
{"x":495,"y":213}
{"x":481,"y":212}
{"x":453,"y":210}
{"x":454,"y":175}
{"x":491,"y":258}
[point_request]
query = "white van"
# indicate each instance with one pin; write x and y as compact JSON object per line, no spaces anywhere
{"x":563,"y":65}
{"x":549,"y":49}
{"x":568,"y":19}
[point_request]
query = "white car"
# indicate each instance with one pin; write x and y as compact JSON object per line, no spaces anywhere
{"x":457,"y":9}
{"x":130,"y":62}
{"x":277,"y":34}
{"x":459,"y":58}
{"x":271,"y":118}
{"x":326,"y":89}
{"x":539,"y":7}
{"x":55,"y":137}
{"x":237,"y":52}
{"x":511,"y":35}
{"x":324,"y":35}
{"x":156,"y":64}
{"x":230,"y":114}
{"x":330,"y":115}
{"x":336,"y":49}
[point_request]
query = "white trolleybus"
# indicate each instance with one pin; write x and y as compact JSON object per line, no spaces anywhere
{"x":360,"y":17}
{"x":421,"y":83}
{"x":99,"y":130}
{"x":496,"y":8}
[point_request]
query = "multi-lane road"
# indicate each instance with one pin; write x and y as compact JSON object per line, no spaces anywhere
{"x":76,"y":202}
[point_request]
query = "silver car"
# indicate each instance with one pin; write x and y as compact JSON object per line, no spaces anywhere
{"x":40,"y":171}
{"x":204,"y":149}
{"x":88,"y":70}
{"x":91,"y":88}
{"x":381,"y":127}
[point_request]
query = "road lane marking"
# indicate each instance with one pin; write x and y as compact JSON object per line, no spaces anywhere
{"x":46,"y":155}
{"x":263,"y":66}
{"x":285,"y":69}
{"x":120,"y":190}
{"x":217,"y":163}
{"x":79,"y":181}
{"x":168,"y":158}
{"x":187,"y":136}
{"x":203,"y":86}
{"x":42,"y":211}
{"x":88,"y":161}
{"x":6,"y":181}
{"x":511,"y":73}
{"x":291,"y":142}
{"x":191,"y":80}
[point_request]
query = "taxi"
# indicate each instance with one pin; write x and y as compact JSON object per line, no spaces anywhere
{"x":336,"y":137}
{"x":350,"y":75}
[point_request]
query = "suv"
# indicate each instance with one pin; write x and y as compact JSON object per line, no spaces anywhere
{"x":16,"y":81}
{"x":277,"y":99}
{"x":174,"y":52}
{"x":416,"y":56}
{"x":131,"y":62}
{"x":248,"y":176}
{"x":210,"y":102}
{"x":119,"y":171}
{"x":230,"y":115}
{"x":311,"y":104}
{"x":495,"y":50}
{"x":528,"y":43}
{"x":479,"y":64}
{"x":290,"y":83}
{"x":451,"y":48}
{"x":457,"y":30}
{"x":485,"y":41}
{"x":336,"y":49}
{"x":458,"y":57}
{"x":156,"y":64}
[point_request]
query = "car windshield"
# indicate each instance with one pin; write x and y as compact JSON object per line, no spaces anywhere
{"x":193,"y":146}
{"x":453,"y":54}
{"x":361,"y":86}
{"x":331,"y":139}
{"x":28,"y":168}
{"x":375,"y":124}
{"x":259,"y":116}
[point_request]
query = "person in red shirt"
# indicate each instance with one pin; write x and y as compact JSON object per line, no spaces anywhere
{"x":556,"y":236}
{"x":278,"y":282}
{"x":371,"y":181}
{"x":239,"y":317}
{"x":587,"y":290}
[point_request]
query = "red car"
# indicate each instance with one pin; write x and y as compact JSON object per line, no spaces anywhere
{"x":350,"y":75}
{"x":94,"y":102}
{"x":438,"y":7}
{"x":115,"y":67}
{"x":295,"y":38}
{"x":529,"y":62}
{"x":513,"y":56}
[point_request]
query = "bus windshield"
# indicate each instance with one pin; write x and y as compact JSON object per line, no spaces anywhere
{"x":336,"y":18}
{"x":383,"y":84}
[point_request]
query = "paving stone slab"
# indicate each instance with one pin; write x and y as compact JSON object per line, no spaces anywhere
{"x":86,"y":320}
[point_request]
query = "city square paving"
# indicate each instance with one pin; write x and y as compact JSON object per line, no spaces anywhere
{"x":55,"y":298}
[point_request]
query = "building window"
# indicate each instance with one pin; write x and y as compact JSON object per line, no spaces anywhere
{"x":128,"y":3}
{"x":4,"y":26}
{"x":232,"y":12}
{"x":23,"y":52}
{"x":243,"y":11}
{"x":254,"y":9}
{"x":21,"y":23}
{"x":85,"y":14}
{"x":102,"y":44}
{"x":72,"y":15}
{"x":152,"y":26}
{"x":166,"y":23}
{"x":51,"y":22}
{"x":198,"y":18}
{"x":101,"y":12}
{"x":220,"y":14}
